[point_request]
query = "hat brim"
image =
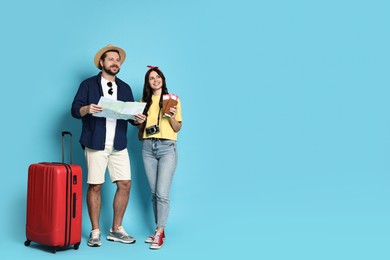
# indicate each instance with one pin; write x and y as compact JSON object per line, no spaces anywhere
{"x":110,"y":47}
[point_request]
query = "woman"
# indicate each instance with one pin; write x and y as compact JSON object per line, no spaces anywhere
{"x":159,"y":153}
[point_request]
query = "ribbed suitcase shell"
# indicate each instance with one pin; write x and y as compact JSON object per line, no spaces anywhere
{"x":54,"y":204}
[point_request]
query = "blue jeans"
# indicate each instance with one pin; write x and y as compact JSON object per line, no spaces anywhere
{"x":160,"y":160}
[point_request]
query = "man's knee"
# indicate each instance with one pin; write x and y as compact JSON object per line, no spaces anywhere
{"x":124,"y":185}
{"x":94,"y":188}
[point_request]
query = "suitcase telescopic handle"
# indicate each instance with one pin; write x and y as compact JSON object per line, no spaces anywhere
{"x":63,"y":145}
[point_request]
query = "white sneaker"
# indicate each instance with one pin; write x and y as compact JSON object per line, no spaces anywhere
{"x":120,"y":235}
{"x":94,"y":238}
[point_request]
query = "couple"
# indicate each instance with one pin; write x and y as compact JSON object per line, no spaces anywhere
{"x":104,"y":141}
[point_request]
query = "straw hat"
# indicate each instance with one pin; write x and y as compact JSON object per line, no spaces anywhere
{"x":109,"y":47}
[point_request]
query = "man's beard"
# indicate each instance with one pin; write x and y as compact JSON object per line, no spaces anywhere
{"x":109,"y":71}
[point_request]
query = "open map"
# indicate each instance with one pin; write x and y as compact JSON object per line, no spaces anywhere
{"x":118,"y":109}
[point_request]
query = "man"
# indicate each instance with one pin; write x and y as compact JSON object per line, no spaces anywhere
{"x":105,"y":141}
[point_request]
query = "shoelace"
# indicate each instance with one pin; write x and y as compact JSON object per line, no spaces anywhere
{"x":123,"y":232}
{"x":95,"y":235}
{"x":156,"y":238}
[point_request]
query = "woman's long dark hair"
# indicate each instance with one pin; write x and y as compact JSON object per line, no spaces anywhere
{"x":147,"y":96}
{"x":148,"y":91}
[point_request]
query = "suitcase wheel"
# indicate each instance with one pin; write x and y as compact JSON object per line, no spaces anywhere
{"x":27,"y":242}
{"x":54,"y":250}
{"x":76,"y":246}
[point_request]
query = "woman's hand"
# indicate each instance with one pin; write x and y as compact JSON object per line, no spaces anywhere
{"x":173,"y":110}
{"x":140,"y":118}
{"x":176,"y":126}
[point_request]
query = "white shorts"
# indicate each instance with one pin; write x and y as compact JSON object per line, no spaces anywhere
{"x":118,"y":163}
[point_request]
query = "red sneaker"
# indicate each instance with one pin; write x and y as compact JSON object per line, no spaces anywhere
{"x":150,"y":239}
{"x":158,"y":241}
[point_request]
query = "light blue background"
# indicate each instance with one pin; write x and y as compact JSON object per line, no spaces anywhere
{"x":284,"y":150}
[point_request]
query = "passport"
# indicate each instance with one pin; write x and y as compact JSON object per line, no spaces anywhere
{"x":169,"y":100}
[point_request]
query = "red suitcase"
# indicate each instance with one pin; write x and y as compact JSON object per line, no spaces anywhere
{"x":54,"y":203}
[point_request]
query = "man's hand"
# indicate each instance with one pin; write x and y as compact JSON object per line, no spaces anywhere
{"x":90,"y":109}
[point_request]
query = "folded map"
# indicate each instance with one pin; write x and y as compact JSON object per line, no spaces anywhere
{"x":118,"y":109}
